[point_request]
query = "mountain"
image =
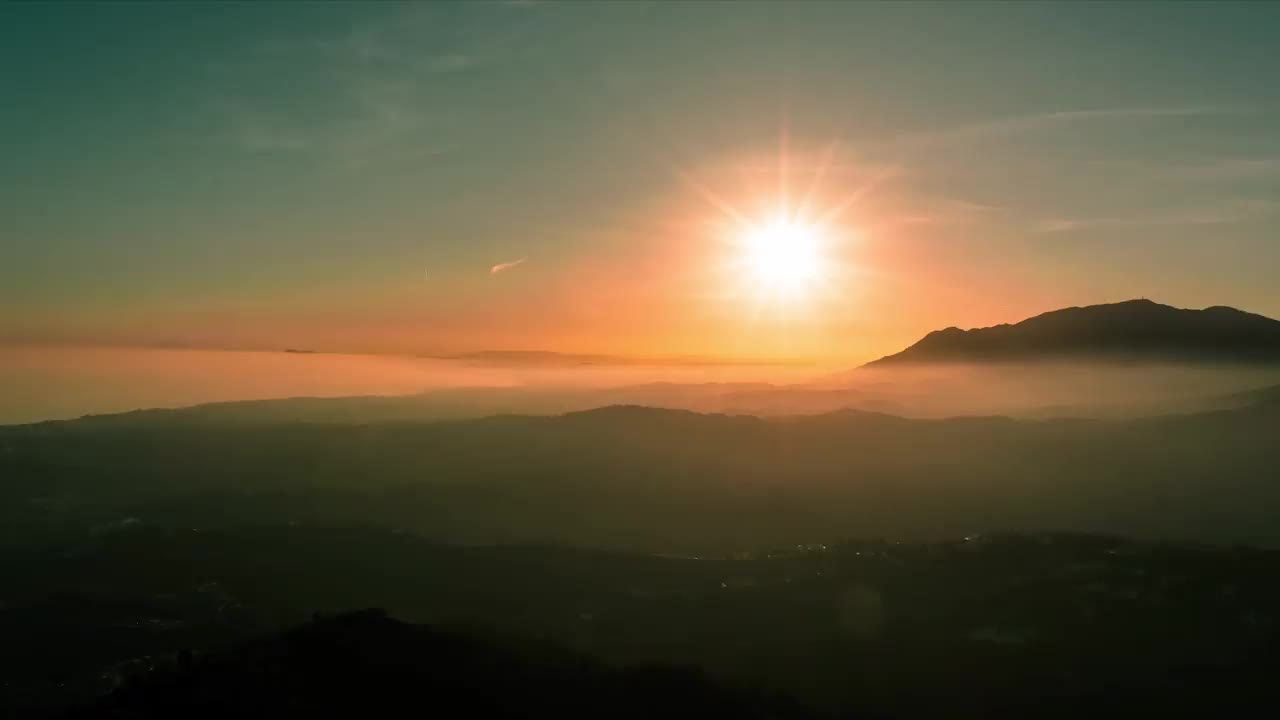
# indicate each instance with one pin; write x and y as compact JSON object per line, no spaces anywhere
{"x":1136,"y":330}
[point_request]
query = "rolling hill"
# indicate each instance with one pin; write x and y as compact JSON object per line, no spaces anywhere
{"x":666,"y":480}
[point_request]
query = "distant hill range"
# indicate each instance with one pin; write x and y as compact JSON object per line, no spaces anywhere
{"x":1136,"y":330}
{"x":670,"y":481}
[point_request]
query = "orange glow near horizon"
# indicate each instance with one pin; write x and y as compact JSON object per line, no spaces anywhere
{"x":769,"y":256}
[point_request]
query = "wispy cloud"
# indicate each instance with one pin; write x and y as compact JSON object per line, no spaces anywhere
{"x":373,"y":127}
{"x":451,"y":62}
{"x":940,"y":210}
{"x":999,"y":127}
{"x":1218,"y":169}
{"x":1227,"y":213}
{"x":377,"y":79}
{"x":502,"y":267}
{"x":256,"y":129}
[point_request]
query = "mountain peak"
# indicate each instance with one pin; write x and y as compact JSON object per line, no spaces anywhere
{"x":1132,"y":330}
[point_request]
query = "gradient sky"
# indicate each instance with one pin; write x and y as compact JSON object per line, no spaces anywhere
{"x":347,"y":177}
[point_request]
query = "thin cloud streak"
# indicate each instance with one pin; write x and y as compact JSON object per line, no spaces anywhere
{"x":947,"y":211}
{"x":1222,"y":169}
{"x":1244,"y":211}
{"x":502,"y":267}
{"x":1026,"y":123}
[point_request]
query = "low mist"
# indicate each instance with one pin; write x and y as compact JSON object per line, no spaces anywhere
{"x":47,"y":383}
{"x":1041,"y":390}
{"x":58,"y":383}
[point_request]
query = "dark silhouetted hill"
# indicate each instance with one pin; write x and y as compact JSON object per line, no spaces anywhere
{"x":365,"y":664}
{"x":1043,"y":625}
{"x":1136,"y":330}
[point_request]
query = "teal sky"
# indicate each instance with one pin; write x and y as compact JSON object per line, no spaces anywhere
{"x":345,"y":176}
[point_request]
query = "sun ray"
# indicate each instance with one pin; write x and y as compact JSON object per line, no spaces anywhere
{"x":815,"y":184}
{"x":712,"y":197}
{"x":784,"y":181}
{"x":838,"y":210}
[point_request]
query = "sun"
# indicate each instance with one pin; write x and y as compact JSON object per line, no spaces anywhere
{"x":782,"y":261}
{"x":783,"y":255}
{"x":782,"y":250}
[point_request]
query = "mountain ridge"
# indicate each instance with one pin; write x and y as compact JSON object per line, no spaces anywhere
{"x":1132,"y":330}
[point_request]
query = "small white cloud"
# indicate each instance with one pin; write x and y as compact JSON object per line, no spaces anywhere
{"x":500,"y":267}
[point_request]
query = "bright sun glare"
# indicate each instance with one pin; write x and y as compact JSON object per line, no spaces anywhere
{"x":784,"y":255}
{"x":786,"y":241}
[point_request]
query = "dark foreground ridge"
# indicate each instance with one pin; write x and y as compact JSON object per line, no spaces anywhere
{"x":1136,"y":330}
{"x":365,"y":664}
{"x":150,"y":622}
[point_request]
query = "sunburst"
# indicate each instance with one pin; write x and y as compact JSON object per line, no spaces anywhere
{"x":786,"y":253}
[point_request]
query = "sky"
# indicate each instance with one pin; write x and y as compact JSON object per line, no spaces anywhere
{"x":437,"y":178}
